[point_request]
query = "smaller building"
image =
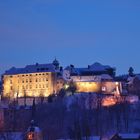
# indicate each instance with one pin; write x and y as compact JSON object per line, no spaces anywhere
{"x":11,"y":136}
{"x":0,"y":89}
{"x":129,"y":136}
{"x":133,"y":84}
{"x":95,"y":78}
{"x":33,"y":132}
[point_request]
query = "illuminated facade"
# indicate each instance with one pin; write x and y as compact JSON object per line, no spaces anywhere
{"x":42,"y":80}
{"x":37,"y":80}
{"x":109,"y":87}
{"x":95,"y":78}
{"x":30,"y":85}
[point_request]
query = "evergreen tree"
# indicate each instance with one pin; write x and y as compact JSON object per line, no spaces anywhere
{"x":131,"y":71}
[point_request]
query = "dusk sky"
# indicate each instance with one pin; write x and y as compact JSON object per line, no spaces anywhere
{"x":78,"y":32}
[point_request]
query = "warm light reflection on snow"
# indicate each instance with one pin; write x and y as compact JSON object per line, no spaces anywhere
{"x":109,"y":101}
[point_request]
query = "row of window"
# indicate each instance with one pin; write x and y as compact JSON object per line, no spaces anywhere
{"x":36,"y":80}
{"x":30,"y":75}
{"x":30,"y":86}
{"x":30,"y":80}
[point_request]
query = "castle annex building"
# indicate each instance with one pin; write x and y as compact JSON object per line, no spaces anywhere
{"x":31,"y":81}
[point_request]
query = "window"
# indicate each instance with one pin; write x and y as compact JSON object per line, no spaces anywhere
{"x":36,"y":86}
{"x":103,"y":88}
{"x":22,"y":75}
{"x":39,"y":86}
{"x":10,"y":81}
{"x":30,"y":86}
{"x":46,"y":79}
{"x":26,"y":80}
{"x":11,"y":88}
{"x":36,"y":80}
{"x":23,"y":81}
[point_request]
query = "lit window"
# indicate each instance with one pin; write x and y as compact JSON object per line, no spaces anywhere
{"x":103,"y":88}
{"x":30,"y":136}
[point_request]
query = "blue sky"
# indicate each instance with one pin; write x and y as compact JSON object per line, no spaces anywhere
{"x":78,"y":32}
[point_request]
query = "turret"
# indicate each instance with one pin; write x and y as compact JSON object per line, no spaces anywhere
{"x":33,"y":132}
{"x":56,"y":63}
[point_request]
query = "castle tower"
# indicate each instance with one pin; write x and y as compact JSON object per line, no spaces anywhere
{"x":56,"y":64}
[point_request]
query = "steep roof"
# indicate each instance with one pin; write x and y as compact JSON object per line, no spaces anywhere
{"x":129,"y":136}
{"x":31,"y":69}
{"x":94,"y":69}
{"x":99,"y":67}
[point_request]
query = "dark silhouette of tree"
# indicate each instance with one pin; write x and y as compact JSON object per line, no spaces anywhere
{"x":131,"y":71}
{"x":62,"y":93}
{"x":33,"y":109}
{"x":72,"y":87}
{"x":25,"y":97}
{"x":50,"y":99}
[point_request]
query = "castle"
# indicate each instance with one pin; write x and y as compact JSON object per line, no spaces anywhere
{"x":42,"y":80}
